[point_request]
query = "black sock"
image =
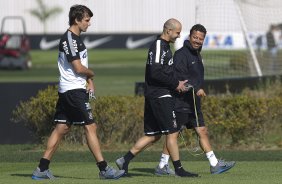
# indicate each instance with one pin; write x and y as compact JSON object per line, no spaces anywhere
{"x":44,"y":164}
{"x":128,"y":156}
{"x":177,"y":165}
{"x":179,"y":171}
{"x":102,"y":165}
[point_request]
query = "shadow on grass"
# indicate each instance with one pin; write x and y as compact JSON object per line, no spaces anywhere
{"x":57,"y":177}
{"x":148,"y":171}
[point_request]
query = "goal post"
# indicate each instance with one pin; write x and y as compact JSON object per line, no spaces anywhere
{"x":236,"y":44}
{"x":248,"y":42}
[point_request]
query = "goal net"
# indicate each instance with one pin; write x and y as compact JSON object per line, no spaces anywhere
{"x":244,"y":37}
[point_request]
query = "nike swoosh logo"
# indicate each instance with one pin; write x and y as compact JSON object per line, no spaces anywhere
{"x":132,"y":44}
{"x":96,"y":43}
{"x":45,"y":45}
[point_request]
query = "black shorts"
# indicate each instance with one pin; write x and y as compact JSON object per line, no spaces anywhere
{"x":189,"y":120}
{"x":73,"y":108}
{"x":159,"y":117}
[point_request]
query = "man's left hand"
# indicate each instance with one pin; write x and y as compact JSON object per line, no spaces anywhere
{"x":201,"y":93}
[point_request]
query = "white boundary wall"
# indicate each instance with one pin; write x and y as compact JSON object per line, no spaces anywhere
{"x":110,"y":16}
{"x":147,"y":16}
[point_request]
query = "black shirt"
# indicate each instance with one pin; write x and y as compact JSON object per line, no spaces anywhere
{"x":159,"y":79}
{"x":188,"y":65}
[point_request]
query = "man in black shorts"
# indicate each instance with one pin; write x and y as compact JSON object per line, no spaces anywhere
{"x":188,"y":65}
{"x":75,"y":88}
{"x":159,"y":117}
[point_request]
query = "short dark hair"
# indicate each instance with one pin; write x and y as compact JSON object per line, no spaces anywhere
{"x":198,"y":27}
{"x":78,"y":12}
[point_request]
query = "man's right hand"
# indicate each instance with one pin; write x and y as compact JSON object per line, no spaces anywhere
{"x":181,"y":87}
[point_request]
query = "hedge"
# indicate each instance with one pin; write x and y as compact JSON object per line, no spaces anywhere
{"x":235,"y":118}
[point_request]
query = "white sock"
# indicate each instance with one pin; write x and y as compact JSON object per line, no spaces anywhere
{"x":212,"y":158}
{"x":164,"y":160}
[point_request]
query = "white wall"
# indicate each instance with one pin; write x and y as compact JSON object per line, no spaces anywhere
{"x":148,"y":16}
{"x":110,"y":16}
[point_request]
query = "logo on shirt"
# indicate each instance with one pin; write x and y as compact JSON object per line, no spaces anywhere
{"x":150,"y":59}
{"x":163,"y":56}
{"x":84,"y":55}
{"x":170,"y":62}
{"x":75,"y":45}
{"x":65,"y":47}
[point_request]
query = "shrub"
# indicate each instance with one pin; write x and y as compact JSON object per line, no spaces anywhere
{"x":232,"y":119}
{"x":240,"y":116}
{"x":37,"y":112}
{"x":119,"y":118}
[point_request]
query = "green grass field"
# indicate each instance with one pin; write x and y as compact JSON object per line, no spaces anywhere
{"x":78,"y":167}
{"x":117,"y":70}
{"x":142,"y":172}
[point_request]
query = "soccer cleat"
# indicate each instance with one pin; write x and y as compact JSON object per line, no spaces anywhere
{"x":221,"y":167}
{"x":122,"y":165}
{"x":182,"y":173}
{"x":165,"y":171}
{"x":38,"y":175}
{"x":111,"y":173}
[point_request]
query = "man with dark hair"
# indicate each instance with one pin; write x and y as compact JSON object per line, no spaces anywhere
{"x":75,"y":88}
{"x":188,"y":65}
{"x":159,"y":117}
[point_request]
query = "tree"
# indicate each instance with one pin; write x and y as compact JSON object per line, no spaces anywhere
{"x":43,"y":13}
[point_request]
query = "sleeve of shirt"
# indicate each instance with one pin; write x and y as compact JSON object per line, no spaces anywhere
{"x":71,"y":43}
{"x":200,"y":84}
{"x":182,"y":71}
{"x":157,"y":71}
{"x":180,"y":67}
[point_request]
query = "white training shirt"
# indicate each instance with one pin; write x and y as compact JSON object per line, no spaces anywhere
{"x":71,"y":48}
